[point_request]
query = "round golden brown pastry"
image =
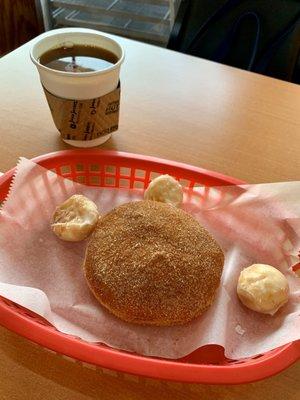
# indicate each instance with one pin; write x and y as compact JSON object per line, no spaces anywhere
{"x":151,"y":263}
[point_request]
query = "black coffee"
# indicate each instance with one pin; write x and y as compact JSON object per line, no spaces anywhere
{"x":78,"y":58}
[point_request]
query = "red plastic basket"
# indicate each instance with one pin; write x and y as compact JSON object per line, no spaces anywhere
{"x":205,"y":365}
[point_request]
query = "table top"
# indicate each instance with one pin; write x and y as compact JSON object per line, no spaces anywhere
{"x":176,"y":107}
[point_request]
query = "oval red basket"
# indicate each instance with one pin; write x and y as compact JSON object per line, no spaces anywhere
{"x":205,"y":365}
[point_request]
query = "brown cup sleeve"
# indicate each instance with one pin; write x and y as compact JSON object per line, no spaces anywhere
{"x":85,"y":119}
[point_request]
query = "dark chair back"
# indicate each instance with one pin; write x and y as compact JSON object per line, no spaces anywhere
{"x":258,"y":35}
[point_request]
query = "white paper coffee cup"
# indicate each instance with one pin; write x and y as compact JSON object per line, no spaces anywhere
{"x":79,"y":86}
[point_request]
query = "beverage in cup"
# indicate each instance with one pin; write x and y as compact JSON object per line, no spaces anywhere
{"x":79,"y":70}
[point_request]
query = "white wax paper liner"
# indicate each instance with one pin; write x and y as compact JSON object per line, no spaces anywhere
{"x":252,"y":223}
